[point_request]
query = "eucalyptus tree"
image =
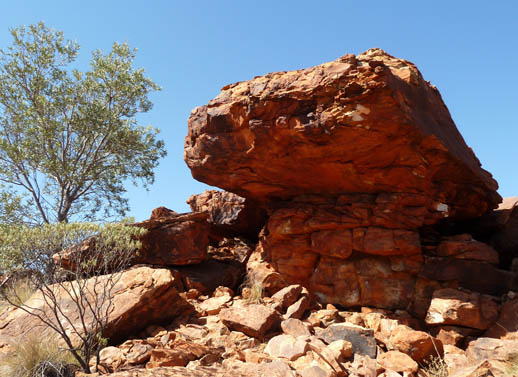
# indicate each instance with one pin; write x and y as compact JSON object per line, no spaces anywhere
{"x":69,"y":139}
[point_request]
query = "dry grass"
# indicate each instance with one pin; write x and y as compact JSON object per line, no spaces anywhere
{"x":252,"y":290}
{"x":37,"y":357}
{"x":17,"y":293}
{"x":512,"y":365}
{"x":434,"y":367}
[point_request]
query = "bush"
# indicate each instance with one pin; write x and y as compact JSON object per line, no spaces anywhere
{"x":36,"y":357}
{"x":93,"y":270}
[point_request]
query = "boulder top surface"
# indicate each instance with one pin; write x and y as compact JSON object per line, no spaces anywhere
{"x":360,"y":124}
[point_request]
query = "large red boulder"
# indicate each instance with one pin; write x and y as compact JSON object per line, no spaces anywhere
{"x":351,"y":159}
{"x":174,"y":239}
{"x":368,"y":123}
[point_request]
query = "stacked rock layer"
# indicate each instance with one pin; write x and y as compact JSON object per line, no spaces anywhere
{"x":351,"y":158}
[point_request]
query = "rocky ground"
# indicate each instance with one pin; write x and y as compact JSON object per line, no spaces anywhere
{"x":288,"y":334}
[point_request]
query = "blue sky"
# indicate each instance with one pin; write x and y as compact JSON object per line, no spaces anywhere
{"x":468,"y":49}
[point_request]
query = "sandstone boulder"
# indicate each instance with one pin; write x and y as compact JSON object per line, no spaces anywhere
{"x":491,"y":349}
{"x":506,"y":326}
{"x":340,"y":350}
{"x":313,"y":244}
{"x":314,"y":371}
{"x":455,"y":307}
{"x":489,"y":368}
{"x":295,"y":327}
{"x":473,"y":275}
{"x":397,"y":361}
{"x":111,"y":358}
{"x":141,"y":297}
{"x":214,"y":305}
{"x":297,"y":309}
{"x":253,"y":320}
{"x":361,"y":339}
{"x":371,"y":118}
{"x":180,"y":353}
{"x":454,"y":335}
{"x":465,"y":247}
{"x":174,"y":240}
{"x":288,"y":295}
{"x":324,"y":317}
{"x":230,"y":214}
{"x":286,"y":346}
{"x":171,"y":239}
{"x":162,"y":213}
{"x":138,"y":353}
{"x":419,"y":345}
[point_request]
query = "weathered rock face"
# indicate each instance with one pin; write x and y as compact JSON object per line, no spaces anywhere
{"x":491,"y":349}
{"x":367,"y":124}
{"x":230,"y":214}
{"x":348,"y":251}
{"x":464,"y":247}
{"x":174,"y":240}
{"x":467,"y":309}
{"x":351,"y":159}
{"x":506,"y":326}
{"x":141,"y":297}
{"x":207,"y":276}
{"x":505,"y":239}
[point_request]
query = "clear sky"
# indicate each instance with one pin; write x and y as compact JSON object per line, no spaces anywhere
{"x":468,"y":49}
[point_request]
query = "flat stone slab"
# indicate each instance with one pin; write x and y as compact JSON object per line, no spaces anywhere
{"x":361,"y":339}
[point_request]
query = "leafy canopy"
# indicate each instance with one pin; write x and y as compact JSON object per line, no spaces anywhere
{"x":35,"y":248}
{"x":69,"y":139}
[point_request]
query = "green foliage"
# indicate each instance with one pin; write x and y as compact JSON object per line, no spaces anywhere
{"x":24,"y":248}
{"x":69,"y":139}
{"x":36,"y":357}
{"x":72,"y":265}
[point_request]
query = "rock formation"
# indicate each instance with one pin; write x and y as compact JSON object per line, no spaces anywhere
{"x":142,"y":296}
{"x":365,"y":226}
{"x":352,"y":159}
{"x":364,"y":124}
{"x":230,"y":214}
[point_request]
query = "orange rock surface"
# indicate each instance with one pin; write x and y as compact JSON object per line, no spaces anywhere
{"x":368,"y":123}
